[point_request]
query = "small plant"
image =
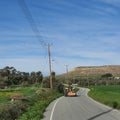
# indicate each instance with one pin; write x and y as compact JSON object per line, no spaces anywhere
{"x":115,"y":104}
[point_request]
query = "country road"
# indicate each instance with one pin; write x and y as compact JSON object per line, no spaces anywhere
{"x":79,"y":108}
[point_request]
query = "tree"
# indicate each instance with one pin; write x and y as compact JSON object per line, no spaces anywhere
{"x":107,"y":75}
{"x":32,"y":77}
{"x":46,"y":82}
{"x":61,"y":88}
{"x":39,"y":77}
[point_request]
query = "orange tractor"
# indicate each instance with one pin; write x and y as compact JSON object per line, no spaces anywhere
{"x":70,"y":92}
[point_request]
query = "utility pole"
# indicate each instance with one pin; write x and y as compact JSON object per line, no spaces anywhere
{"x":49,"y":58}
{"x":67,"y":72}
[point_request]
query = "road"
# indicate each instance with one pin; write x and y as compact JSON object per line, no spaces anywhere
{"x":79,"y":108}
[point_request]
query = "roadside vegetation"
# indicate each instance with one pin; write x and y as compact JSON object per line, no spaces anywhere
{"x":29,"y":107}
{"x":39,"y":104}
{"x":108,"y":95}
{"x":25,"y":96}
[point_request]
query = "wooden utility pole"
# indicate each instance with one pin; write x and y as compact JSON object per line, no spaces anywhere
{"x":67,"y":73}
{"x":49,"y":57}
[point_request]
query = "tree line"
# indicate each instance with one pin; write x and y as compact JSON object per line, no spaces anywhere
{"x":10,"y":76}
{"x":93,"y":80}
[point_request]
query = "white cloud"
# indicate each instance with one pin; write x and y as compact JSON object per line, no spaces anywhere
{"x":111,"y":2}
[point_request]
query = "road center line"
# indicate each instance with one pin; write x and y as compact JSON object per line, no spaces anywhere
{"x":54,"y":108}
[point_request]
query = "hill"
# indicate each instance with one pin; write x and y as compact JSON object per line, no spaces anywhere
{"x":95,"y":70}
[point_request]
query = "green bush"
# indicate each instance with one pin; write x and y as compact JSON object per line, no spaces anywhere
{"x":11,"y":111}
{"x":115,"y":104}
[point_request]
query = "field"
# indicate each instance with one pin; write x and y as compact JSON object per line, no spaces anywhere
{"x":31,"y":107}
{"x":109,"y":95}
{"x":26,"y":91}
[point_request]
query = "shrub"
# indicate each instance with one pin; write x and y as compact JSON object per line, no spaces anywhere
{"x":106,"y":75}
{"x":12,"y":110}
{"x":61,"y":88}
{"x":115,"y":104}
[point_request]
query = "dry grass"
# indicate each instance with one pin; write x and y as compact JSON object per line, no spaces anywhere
{"x":96,"y":70}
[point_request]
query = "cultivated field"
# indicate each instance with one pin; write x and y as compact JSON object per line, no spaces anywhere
{"x":109,"y":95}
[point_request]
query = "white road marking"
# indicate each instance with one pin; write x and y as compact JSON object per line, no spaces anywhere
{"x":54,"y":108}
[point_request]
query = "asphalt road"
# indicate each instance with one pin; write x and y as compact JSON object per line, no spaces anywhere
{"x":79,"y":108}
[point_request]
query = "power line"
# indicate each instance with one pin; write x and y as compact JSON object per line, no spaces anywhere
{"x":35,"y":29}
{"x":31,"y":21}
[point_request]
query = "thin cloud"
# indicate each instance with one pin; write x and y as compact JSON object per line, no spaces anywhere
{"x":111,"y":2}
{"x":81,"y":32}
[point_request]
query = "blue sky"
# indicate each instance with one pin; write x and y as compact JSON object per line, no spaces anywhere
{"x":81,"y":33}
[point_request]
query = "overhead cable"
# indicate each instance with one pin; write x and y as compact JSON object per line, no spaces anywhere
{"x":31,"y":21}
